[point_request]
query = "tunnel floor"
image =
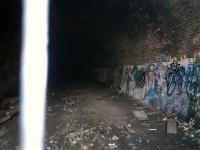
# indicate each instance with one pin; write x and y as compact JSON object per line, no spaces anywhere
{"x":91,"y":117}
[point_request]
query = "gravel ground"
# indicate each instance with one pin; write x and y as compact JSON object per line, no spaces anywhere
{"x":91,"y":117}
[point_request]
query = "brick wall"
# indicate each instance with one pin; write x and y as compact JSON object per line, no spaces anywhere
{"x":175,"y":31}
{"x":161,"y":64}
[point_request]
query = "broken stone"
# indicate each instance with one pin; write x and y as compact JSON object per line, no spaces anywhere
{"x":115,"y":138}
{"x":171,"y":126}
{"x":140,"y":115}
{"x":112,"y":145}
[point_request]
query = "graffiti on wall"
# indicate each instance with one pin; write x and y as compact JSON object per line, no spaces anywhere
{"x":152,"y":57}
{"x":196,"y":39}
{"x":174,"y":87}
{"x":174,"y":77}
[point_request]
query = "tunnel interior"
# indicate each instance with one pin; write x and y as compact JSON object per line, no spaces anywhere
{"x":110,"y":59}
{"x":83,"y":33}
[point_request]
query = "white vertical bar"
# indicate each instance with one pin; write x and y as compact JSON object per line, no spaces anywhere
{"x":33,"y":73}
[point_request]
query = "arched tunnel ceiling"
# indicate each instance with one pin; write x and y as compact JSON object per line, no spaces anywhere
{"x":84,"y":33}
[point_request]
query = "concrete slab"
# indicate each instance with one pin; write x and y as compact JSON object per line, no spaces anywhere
{"x":171,"y":126}
{"x":140,"y":115}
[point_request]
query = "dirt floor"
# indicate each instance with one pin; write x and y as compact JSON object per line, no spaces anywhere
{"x":91,"y":117}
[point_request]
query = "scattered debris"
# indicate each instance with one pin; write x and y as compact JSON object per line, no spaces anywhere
{"x":171,"y":126}
{"x":81,"y":132}
{"x":86,"y":130}
{"x":186,"y":126}
{"x":7,"y":115}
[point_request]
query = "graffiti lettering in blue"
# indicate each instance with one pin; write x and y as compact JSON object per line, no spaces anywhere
{"x":174,"y":77}
{"x":139,"y":77}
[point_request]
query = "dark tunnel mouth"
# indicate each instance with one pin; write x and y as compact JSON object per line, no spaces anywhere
{"x":82,"y":34}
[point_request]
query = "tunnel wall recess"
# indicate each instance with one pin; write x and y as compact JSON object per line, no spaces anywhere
{"x":162,"y":67}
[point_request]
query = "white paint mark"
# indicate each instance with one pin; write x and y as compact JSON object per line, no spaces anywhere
{"x":33,"y":73}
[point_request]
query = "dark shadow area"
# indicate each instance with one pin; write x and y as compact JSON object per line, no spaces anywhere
{"x":10,"y":45}
{"x":83,"y":34}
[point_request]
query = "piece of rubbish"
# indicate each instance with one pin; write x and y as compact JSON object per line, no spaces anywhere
{"x":186,"y":126}
{"x":171,"y":126}
{"x":152,"y":129}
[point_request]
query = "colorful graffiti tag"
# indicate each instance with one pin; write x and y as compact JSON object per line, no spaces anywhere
{"x":171,"y":86}
{"x":174,"y":87}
